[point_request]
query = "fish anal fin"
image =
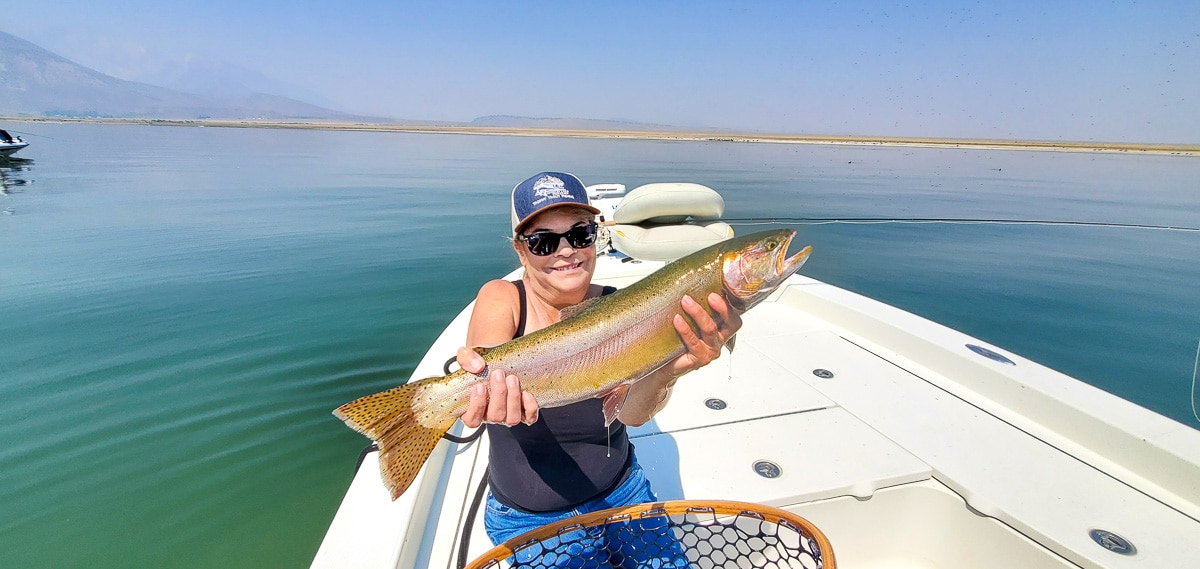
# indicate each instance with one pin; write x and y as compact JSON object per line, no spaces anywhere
{"x":404,"y":443}
{"x":613,"y":401}
{"x":575,"y":309}
{"x":400,"y":462}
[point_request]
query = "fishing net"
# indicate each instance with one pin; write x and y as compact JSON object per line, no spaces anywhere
{"x":676,"y":534}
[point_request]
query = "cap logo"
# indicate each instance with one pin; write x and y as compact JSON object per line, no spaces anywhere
{"x":545,"y":190}
{"x":550,"y":187}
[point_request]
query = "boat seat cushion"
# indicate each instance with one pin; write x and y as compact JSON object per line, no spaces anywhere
{"x":667,"y":242}
{"x":669,"y":203}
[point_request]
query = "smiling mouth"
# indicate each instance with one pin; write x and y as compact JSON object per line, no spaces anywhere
{"x":570,"y":267}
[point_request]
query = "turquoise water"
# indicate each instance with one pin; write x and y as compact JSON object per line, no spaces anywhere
{"x":181,"y":308}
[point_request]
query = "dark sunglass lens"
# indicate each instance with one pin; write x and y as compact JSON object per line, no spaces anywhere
{"x":542,"y":243}
{"x":582,"y":236}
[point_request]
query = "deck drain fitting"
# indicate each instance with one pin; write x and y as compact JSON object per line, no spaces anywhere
{"x":767,"y":469}
{"x":823,"y":373}
{"x":715,"y":404}
{"x":1112,"y":542}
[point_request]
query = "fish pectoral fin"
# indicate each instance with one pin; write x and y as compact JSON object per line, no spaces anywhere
{"x":613,"y":401}
{"x":729,"y":343}
{"x":575,"y":309}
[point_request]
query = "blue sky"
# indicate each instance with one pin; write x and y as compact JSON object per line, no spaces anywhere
{"x":1087,"y":70}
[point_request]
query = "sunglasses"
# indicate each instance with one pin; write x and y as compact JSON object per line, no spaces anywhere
{"x":542,"y":243}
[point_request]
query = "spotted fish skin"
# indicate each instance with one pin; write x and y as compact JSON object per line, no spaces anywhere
{"x":614,"y":341}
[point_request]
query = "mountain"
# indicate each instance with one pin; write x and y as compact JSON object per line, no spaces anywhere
{"x":201,"y":75}
{"x":37,"y":82}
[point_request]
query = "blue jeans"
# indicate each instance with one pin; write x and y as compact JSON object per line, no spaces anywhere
{"x":654,"y":546}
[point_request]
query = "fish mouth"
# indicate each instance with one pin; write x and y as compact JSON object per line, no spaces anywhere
{"x":787,"y":266}
{"x":751,"y":274}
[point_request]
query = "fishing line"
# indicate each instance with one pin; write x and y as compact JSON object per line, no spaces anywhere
{"x":1195,"y":366}
{"x":945,"y":220}
{"x":976,"y":221}
{"x":30,"y":134}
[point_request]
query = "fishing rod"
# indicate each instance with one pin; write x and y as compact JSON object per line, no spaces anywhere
{"x":29,"y":134}
{"x":946,"y":220}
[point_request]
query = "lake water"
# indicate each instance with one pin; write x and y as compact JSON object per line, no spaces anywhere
{"x":181,"y":308}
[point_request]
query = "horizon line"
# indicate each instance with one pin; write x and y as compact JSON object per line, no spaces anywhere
{"x":715,"y":135}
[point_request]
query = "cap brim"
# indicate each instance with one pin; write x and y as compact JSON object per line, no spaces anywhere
{"x":537,"y":212}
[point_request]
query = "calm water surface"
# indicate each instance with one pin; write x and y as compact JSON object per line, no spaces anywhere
{"x":181,"y":308}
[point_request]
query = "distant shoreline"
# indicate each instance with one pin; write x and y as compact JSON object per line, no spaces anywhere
{"x":983,"y":144}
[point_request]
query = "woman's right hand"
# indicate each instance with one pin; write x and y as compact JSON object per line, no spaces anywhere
{"x":499,"y":399}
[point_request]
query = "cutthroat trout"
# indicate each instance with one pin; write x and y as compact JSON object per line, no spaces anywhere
{"x":599,"y":348}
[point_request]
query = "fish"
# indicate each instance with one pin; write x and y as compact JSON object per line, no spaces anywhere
{"x":598,"y":349}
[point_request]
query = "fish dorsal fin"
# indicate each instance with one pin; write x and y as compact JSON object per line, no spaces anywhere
{"x":613,"y":401}
{"x":575,"y":309}
{"x":481,"y":350}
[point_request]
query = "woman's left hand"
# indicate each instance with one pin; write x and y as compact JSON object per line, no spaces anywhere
{"x":648,"y":396}
{"x":704,"y":343}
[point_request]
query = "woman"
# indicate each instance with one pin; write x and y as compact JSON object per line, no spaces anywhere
{"x":548,"y":465}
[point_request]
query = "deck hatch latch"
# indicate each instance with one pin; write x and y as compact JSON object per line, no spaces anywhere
{"x":1112,"y":542}
{"x":767,"y":469}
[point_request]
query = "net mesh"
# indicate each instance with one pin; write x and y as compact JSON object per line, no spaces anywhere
{"x":678,"y":534}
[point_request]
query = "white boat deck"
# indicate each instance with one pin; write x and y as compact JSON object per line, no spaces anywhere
{"x":916,"y":452}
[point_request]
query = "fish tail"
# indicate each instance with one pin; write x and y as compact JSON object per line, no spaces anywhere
{"x":404,"y":443}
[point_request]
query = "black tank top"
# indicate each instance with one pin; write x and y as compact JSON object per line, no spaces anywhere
{"x":564,"y":459}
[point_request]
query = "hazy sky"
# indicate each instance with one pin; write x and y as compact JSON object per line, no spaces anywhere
{"x":1086,"y":70}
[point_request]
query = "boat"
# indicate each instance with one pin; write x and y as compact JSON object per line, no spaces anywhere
{"x":10,"y":144}
{"x":907,"y":443}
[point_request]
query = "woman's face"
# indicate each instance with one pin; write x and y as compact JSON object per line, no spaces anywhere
{"x":567,"y":269}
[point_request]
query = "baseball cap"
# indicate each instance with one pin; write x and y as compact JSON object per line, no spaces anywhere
{"x":547,"y":190}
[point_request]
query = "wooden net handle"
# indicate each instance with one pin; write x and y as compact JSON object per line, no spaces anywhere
{"x":659,"y":509}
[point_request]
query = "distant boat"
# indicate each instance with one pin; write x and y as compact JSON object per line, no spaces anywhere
{"x":9,"y":143}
